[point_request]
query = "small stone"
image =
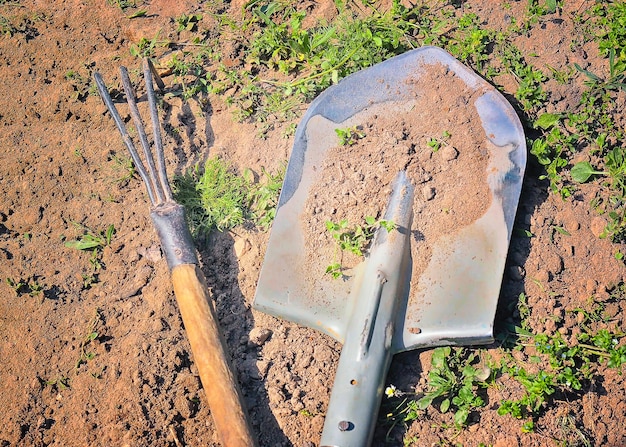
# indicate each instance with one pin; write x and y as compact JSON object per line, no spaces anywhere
{"x":598,"y":224}
{"x":429,"y":192}
{"x":241,"y":247}
{"x":152,"y":253}
{"x":258,"y":336}
{"x":449,"y":153}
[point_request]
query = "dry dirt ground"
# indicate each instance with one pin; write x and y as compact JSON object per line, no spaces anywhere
{"x":108,"y":364}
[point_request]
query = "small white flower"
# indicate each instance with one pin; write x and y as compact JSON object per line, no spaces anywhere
{"x":391,"y":391}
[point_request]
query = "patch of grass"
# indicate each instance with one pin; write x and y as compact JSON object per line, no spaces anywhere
{"x":125,"y":166}
{"x":215,"y":197}
{"x":566,"y":367}
{"x":91,"y":239}
{"x":263,"y":196}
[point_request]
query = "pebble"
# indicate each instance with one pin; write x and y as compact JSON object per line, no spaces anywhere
{"x":429,"y":192}
{"x":241,"y":247}
{"x":258,"y":336}
{"x":449,"y":153}
{"x":597,"y":226}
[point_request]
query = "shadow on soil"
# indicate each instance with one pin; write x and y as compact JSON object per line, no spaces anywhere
{"x":221,"y":270}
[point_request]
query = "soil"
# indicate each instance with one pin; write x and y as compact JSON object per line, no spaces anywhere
{"x":355,"y":179}
{"x":108,"y":363}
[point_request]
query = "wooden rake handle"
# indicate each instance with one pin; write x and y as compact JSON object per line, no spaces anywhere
{"x":210,"y":356}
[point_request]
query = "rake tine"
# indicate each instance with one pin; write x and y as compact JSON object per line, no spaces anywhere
{"x":158,"y":142}
{"x":134,"y":112}
{"x":155,"y":75}
{"x":106,"y":97}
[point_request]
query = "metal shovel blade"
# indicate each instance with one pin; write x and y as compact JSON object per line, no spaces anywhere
{"x":457,"y":293}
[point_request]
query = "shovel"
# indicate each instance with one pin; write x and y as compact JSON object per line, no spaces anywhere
{"x":196,"y":307}
{"x":370,"y":312}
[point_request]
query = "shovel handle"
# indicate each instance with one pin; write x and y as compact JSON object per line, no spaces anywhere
{"x":209,"y":354}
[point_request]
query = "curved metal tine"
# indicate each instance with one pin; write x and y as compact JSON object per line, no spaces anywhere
{"x":106,"y":97}
{"x":155,"y":75}
{"x":134,"y":112}
{"x":158,"y":142}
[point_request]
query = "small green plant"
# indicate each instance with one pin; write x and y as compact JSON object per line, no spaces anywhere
{"x":188,"y":22}
{"x":214,"y":197}
{"x":349,"y":136}
{"x":146,"y":47}
{"x":123,"y":4}
{"x":124,"y":165}
{"x":335,"y":270}
{"x":60,"y":383}
{"x":353,"y":238}
{"x":85,"y":354}
{"x":91,"y":239}
{"x":453,"y":382}
{"x":95,"y":242}
{"x":263,"y":196}
{"x":29,"y":286}
{"x":436,"y":143}
{"x":356,"y":238}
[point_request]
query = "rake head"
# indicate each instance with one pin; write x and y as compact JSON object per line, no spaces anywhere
{"x":168,"y":216}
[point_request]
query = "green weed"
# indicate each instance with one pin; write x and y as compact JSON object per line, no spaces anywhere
{"x":453,"y":382}
{"x":353,"y":238}
{"x":124,"y":165}
{"x":349,"y":136}
{"x":217,"y":198}
{"x":123,"y":4}
{"x":95,"y":242}
{"x":214,"y":197}
{"x":530,"y":92}
{"x":188,"y":22}
{"x":60,"y":383}
{"x":29,"y":286}
{"x":147,"y":47}
{"x":263,"y":196}
{"x":85,"y":355}
{"x":91,"y":239}
{"x":566,"y":366}
{"x":436,"y":143}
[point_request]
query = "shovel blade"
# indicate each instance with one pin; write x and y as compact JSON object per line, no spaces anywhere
{"x":458,"y":291}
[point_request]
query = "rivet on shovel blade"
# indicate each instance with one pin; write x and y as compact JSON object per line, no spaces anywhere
{"x":345,"y":425}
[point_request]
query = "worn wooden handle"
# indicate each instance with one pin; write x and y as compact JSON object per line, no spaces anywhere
{"x":209,"y":354}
